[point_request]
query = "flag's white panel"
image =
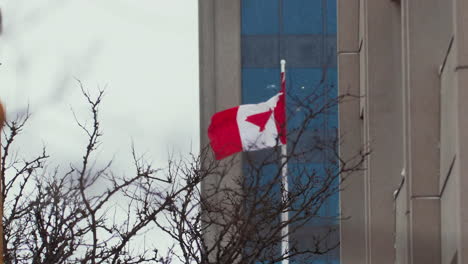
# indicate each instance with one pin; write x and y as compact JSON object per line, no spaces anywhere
{"x":251,"y":135}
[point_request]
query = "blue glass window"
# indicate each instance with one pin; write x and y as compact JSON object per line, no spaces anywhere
{"x":260,"y":17}
{"x":259,"y":84}
{"x":302,"y":16}
{"x":331,"y":17}
{"x":294,"y":30}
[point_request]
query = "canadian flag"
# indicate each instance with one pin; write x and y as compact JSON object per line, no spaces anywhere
{"x":249,"y":127}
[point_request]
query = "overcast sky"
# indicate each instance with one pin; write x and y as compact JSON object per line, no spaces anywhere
{"x":145,"y":52}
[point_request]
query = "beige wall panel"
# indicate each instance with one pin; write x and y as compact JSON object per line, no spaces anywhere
{"x":362,"y":80}
{"x":425,"y":240}
{"x":448,"y":108}
{"x":402,"y":226}
{"x":362,"y":56}
{"x":348,"y":25}
{"x":352,"y":229}
{"x":461,"y":31}
{"x":449,"y":218}
{"x":207,"y":81}
{"x":228,"y":53}
{"x":385,"y":123}
{"x":220,"y":60}
{"x":362,"y":19}
{"x":462,"y":160}
{"x":428,"y":21}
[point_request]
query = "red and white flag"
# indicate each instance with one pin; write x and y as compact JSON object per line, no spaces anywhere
{"x":249,"y":127}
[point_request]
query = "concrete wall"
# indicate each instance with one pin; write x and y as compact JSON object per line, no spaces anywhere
{"x":426,"y":35}
{"x":352,"y":198}
{"x":449,"y":173}
{"x":409,"y":61}
{"x":382,"y":123}
{"x":220,"y":65}
{"x":460,"y":25}
{"x":369,"y":37}
{"x":413,"y":76}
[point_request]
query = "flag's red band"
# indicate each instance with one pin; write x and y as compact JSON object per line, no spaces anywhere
{"x":223,"y":133}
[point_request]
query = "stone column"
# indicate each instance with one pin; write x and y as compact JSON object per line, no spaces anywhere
{"x":220,"y":83}
{"x":352,"y":205}
{"x":381,"y":68}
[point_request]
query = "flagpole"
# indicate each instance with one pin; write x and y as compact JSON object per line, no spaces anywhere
{"x":284,"y":181}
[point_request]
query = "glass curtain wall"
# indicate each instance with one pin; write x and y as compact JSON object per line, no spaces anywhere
{"x":303,"y":32}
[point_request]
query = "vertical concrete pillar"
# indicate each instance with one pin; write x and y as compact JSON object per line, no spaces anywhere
{"x":220,"y":62}
{"x":220,"y":58}
{"x":427,"y":34}
{"x":352,"y":206}
{"x":352,"y":228}
{"x":220,"y":82}
{"x":460,"y":22}
{"x":382,"y":124}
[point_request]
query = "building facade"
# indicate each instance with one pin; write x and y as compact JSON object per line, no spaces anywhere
{"x":408,"y":61}
{"x":241,"y":45}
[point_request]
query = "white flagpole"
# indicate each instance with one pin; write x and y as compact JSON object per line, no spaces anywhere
{"x":284,"y":181}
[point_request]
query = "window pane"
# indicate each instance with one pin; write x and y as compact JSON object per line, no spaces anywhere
{"x":331,"y":17}
{"x":302,"y":16}
{"x":308,"y":45}
{"x":260,"y":51}
{"x":260,"y":17}
{"x":258,"y":85}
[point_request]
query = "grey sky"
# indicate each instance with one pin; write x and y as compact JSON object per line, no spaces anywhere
{"x":145,"y":52}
